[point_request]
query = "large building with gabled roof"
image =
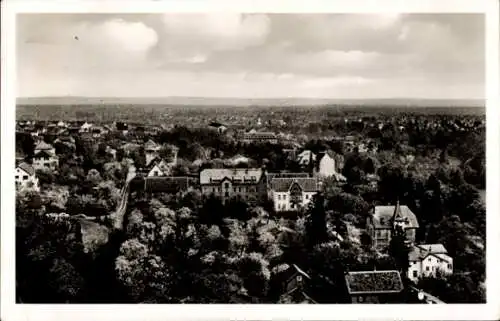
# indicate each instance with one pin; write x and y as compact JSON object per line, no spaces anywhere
{"x":247,"y":183}
{"x":292,"y":193}
{"x":427,"y":260}
{"x":383,"y":220}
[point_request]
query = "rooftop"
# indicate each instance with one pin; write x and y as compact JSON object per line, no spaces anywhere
{"x":374,"y":282}
{"x":207,"y":176}
{"x":307,"y":184}
{"x":27,"y":168}
{"x":43,"y":146}
{"x":383,"y":216}
{"x":420,"y":252}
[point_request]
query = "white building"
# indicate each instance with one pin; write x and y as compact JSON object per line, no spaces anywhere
{"x":152,"y":151}
{"x":45,"y":156}
{"x":329,"y":166}
{"x":160,"y":168}
{"x":85,"y":128}
{"x":26,"y":178}
{"x":43,"y":146}
{"x":45,"y":160}
{"x":292,"y":193}
{"x":427,"y":259}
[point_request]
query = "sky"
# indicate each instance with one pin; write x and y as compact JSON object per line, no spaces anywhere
{"x":347,"y":56}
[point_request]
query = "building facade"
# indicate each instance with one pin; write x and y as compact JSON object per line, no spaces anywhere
{"x":248,"y":183}
{"x":45,"y":157}
{"x":259,"y":137}
{"x":383,"y":220}
{"x":25,"y":177}
{"x":428,"y":260}
{"x":292,"y":193}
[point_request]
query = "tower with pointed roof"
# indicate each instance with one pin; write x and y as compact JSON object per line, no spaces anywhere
{"x":398,"y":220}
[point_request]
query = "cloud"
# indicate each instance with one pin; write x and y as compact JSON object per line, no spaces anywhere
{"x":129,"y":36}
{"x":256,"y":54}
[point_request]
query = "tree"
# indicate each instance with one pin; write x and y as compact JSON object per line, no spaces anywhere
{"x":146,"y":276}
{"x":316,"y":220}
{"x":399,"y":250}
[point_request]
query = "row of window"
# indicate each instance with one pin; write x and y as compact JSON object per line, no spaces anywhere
{"x":427,"y":269}
{"x":284,"y":197}
{"x":235,"y":190}
{"x":25,"y":177}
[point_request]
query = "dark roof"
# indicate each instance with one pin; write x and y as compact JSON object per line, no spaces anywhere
{"x":270,"y":176}
{"x":374,"y":282}
{"x":300,"y":271}
{"x":167,"y":184}
{"x":307,"y":184}
{"x":236,"y":175}
{"x":382,"y":218}
{"x":215,"y":124}
{"x":43,"y":154}
{"x":420,"y":252}
{"x":27,"y":168}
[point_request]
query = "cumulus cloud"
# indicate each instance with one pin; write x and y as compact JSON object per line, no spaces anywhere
{"x":252,"y":54}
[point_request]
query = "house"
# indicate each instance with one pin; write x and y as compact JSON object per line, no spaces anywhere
{"x":62,"y":124}
{"x":374,"y":286}
{"x":111,"y":152}
{"x":220,"y":128}
{"x":248,"y":183}
{"x":306,"y":157}
{"x":43,"y":146}
{"x":44,"y":159}
{"x":26,"y":178}
{"x":85,"y":128}
{"x":152,"y":151}
{"x":328,"y":164}
{"x":384,"y":219}
{"x":98,"y":131}
{"x":427,"y":259}
{"x":295,"y":286}
{"x":159,"y":167}
{"x":292,"y":193}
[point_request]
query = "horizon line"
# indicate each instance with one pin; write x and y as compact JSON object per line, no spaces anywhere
{"x":248,"y":98}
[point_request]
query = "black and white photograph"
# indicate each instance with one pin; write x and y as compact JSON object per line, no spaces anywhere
{"x":250,"y":158}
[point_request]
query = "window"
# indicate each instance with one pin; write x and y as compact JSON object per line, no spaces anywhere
{"x":155,"y":173}
{"x":226,"y":185}
{"x":17,"y":176}
{"x":234,"y":189}
{"x":239,"y":189}
{"x":279,"y":196}
{"x":449,"y":266}
{"x":414,"y":274}
{"x":226,"y":194}
{"x":25,"y":177}
{"x":427,"y":268}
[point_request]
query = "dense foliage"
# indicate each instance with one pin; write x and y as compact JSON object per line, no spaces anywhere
{"x":182,"y":248}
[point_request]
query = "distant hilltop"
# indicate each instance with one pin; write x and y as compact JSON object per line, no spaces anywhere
{"x":202,"y":101}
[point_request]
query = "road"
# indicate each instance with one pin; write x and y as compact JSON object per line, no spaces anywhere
{"x":121,"y":208}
